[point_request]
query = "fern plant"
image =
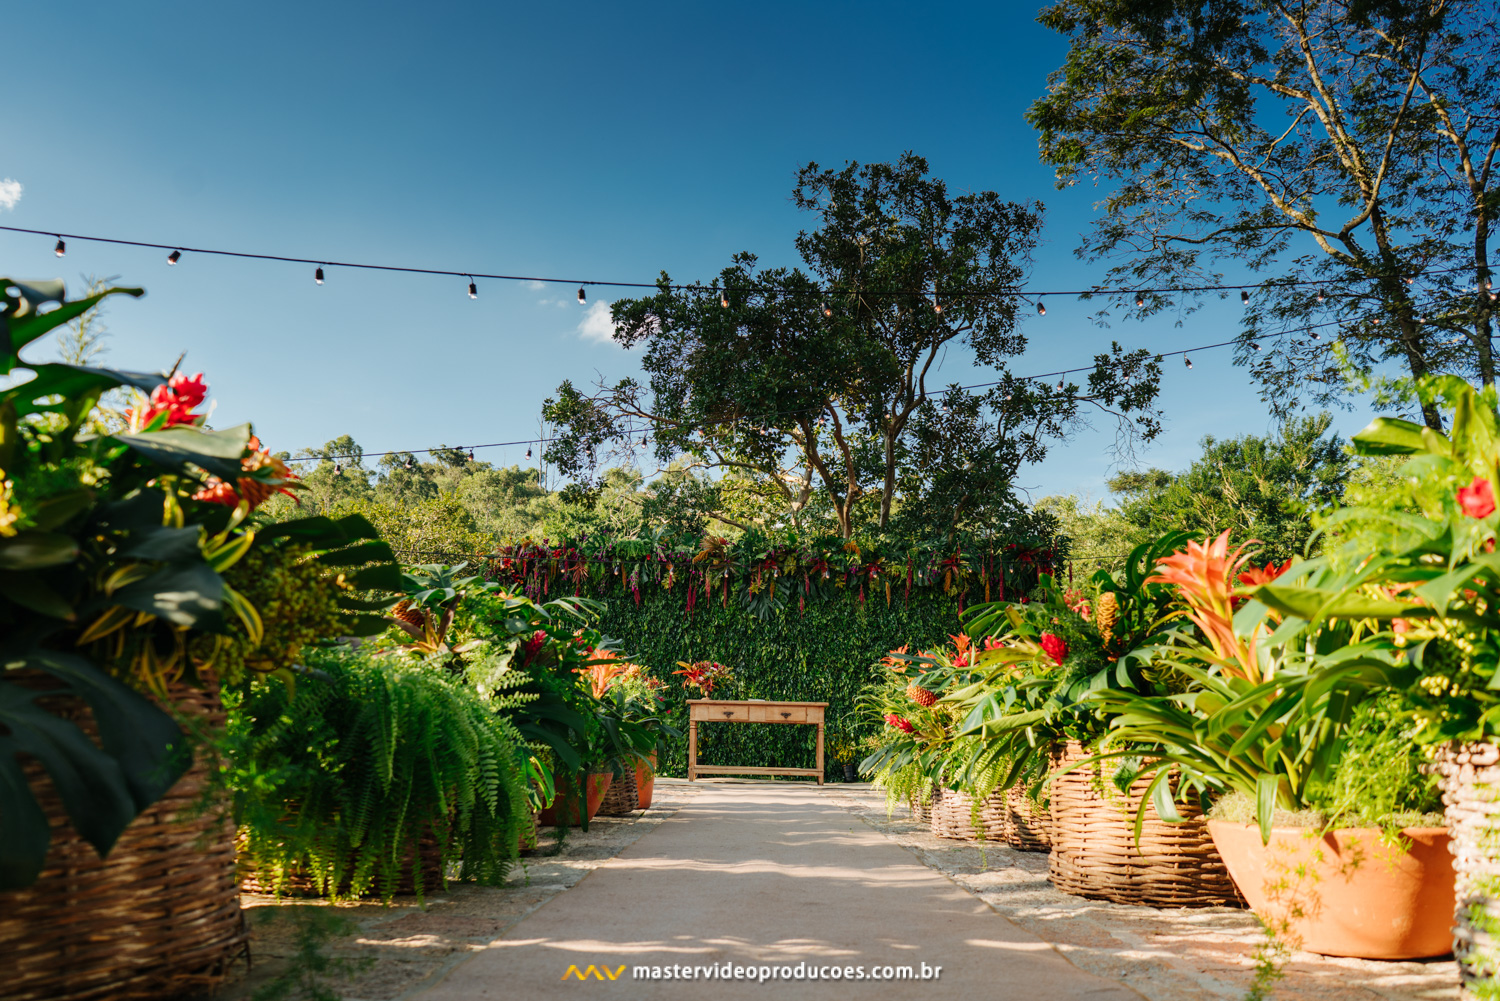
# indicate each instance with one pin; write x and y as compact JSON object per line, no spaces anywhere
{"x":369,"y":763}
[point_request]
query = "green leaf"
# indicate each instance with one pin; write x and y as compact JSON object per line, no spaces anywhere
{"x":1265,"y":804}
{"x":1392,"y":436}
{"x":35,"y":550}
{"x":56,"y":510}
{"x":1315,"y":604}
{"x":30,"y":590}
{"x":24,"y":834}
{"x":169,"y":545}
{"x":20,"y":328}
{"x":182,"y":447}
{"x":190,"y":595}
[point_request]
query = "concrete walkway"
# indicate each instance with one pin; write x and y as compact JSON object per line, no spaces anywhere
{"x":774,"y":876}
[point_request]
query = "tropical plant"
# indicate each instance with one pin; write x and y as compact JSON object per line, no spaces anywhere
{"x":371,"y":762}
{"x":433,"y":592}
{"x":114,"y":550}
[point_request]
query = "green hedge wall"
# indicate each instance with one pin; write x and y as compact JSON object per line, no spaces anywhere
{"x":823,"y":654}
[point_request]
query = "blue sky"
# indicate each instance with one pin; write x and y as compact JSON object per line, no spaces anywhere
{"x":591,"y":140}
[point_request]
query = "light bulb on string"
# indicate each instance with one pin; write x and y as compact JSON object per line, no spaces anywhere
{"x":1041,"y":308}
{"x":174,"y":257}
{"x":473,"y":289}
{"x":1255,"y":345}
{"x":318,"y":276}
{"x":409,"y":462}
{"x":61,"y":248}
{"x":1245,"y":296}
{"x":1059,"y":385}
{"x":471,"y":455}
{"x":1314,"y":335}
{"x":724,"y":298}
{"x":581,"y":297}
{"x":1140,"y":301}
{"x":528,"y":451}
{"x":827,"y":309}
{"x":338,"y":469}
{"x":1186,"y":360}
{"x":937,"y":307}
{"x":1322,"y":295}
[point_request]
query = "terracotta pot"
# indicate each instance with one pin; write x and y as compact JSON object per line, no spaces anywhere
{"x":1360,"y":898}
{"x":645,"y":778}
{"x":564,"y":809}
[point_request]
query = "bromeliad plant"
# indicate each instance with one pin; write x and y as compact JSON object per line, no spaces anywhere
{"x":116,"y":552}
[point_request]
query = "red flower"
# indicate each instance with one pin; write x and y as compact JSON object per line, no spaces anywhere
{"x":1477,"y":499}
{"x":1255,"y":576}
{"x":903,"y":725}
{"x":1055,"y":647}
{"x":176,"y":399}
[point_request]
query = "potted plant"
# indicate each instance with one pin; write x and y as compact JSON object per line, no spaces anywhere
{"x":124,"y":599}
{"x":1280,"y":718}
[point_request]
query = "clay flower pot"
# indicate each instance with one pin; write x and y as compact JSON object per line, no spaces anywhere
{"x":1346,"y":893}
{"x":564,"y":809}
{"x":645,"y":779}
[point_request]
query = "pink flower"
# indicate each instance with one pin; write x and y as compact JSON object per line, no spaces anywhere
{"x":1477,"y":500}
{"x":1055,"y":647}
{"x":903,"y":725}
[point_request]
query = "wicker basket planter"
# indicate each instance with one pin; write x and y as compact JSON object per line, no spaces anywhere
{"x":921,"y":812}
{"x":1028,"y":826}
{"x":158,"y":918}
{"x":1471,"y":804}
{"x":1095,"y":855}
{"x":954,"y":816}
{"x":622,"y":798}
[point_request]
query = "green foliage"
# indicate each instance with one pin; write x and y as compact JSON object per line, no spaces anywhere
{"x":826,"y":653}
{"x":344,"y":778}
{"x":1257,"y":488}
{"x":809,"y":387}
{"x":1338,"y":143}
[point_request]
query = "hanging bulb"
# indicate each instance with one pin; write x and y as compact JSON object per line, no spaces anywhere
{"x":471,"y":455}
{"x":827,"y":310}
{"x":1041,"y":308}
{"x":1314,"y":335}
{"x":1255,"y":345}
{"x":473,"y":289}
{"x":61,"y":248}
{"x":1322,"y":295}
{"x":1007,"y":397}
{"x":318,"y":276}
{"x":528,"y":451}
{"x":937,"y":307}
{"x":338,"y":469}
{"x":1245,"y":296}
{"x":1411,"y":280}
{"x":1187,"y":361}
{"x":1140,"y":301}
{"x":581,"y":297}
{"x":643,"y":441}
{"x":1059,"y":385}
{"x":409,"y":462}
{"x":724,"y":298}
{"x":174,"y":257}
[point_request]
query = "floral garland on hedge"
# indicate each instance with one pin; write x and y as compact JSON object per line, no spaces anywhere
{"x":765,"y":577}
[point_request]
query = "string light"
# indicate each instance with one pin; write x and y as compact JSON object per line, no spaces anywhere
{"x":338,"y":469}
{"x":581,"y":297}
{"x":473,"y":289}
{"x":174,"y":257}
{"x":1322,"y":294}
{"x":471,"y":455}
{"x":937,"y":307}
{"x":827,"y":309}
{"x":1041,"y":309}
{"x":61,"y":248}
{"x":1245,"y":296}
{"x":1255,"y":345}
{"x":528,"y":451}
{"x":1059,"y":385}
{"x":1186,"y":360}
{"x":724,"y":298}
{"x":410,"y":462}
{"x":318,"y":276}
{"x":1140,"y":301}
{"x":1314,"y":335}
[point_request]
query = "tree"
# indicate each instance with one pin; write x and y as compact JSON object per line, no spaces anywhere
{"x":815,"y":385}
{"x":1265,"y":489}
{"x":1343,"y":149}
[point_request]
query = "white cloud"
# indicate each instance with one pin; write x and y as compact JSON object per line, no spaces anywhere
{"x":535,"y":285}
{"x":596,"y":325}
{"x":10,"y":193}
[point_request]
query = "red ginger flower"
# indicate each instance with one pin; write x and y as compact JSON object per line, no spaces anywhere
{"x":176,"y":399}
{"x":903,"y":725}
{"x":1477,"y":500}
{"x":1256,"y":576}
{"x":1055,"y":647}
{"x":268,"y":476}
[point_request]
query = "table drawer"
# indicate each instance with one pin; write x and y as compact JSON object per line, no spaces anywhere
{"x":736,"y":714}
{"x":786,"y":714}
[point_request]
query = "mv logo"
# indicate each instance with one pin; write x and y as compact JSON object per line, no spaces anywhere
{"x":597,"y":972}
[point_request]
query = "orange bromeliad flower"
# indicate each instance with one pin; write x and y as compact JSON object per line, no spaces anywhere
{"x":1202,"y":573}
{"x":603,"y":675}
{"x":266,"y":477}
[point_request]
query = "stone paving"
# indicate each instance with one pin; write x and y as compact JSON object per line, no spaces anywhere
{"x":1164,"y":954}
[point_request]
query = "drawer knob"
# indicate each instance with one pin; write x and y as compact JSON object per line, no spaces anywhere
{"x":728,"y":713}
{"x":786,"y":715}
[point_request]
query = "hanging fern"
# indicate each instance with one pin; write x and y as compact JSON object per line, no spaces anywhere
{"x":374,"y":762}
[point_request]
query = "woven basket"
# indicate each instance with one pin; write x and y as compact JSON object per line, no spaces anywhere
{"x":158,"y":918}
{"x":1095,"y":854}
{"x":921,"y":812}
{"x":954,"y":816}
{"x":1028,"y":826}
{"x":1471,"y":804}
{"x":623,"y":797}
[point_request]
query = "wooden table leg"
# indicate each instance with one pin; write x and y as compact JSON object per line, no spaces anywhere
{"x":692,"y":750}
{"x":820,"y":754}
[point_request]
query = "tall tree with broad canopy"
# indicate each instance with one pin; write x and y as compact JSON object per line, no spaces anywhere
{"x":815,"y":385}
{"x":1342,"y":149}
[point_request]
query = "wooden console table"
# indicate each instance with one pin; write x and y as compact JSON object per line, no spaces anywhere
{"x":713,"y":711}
